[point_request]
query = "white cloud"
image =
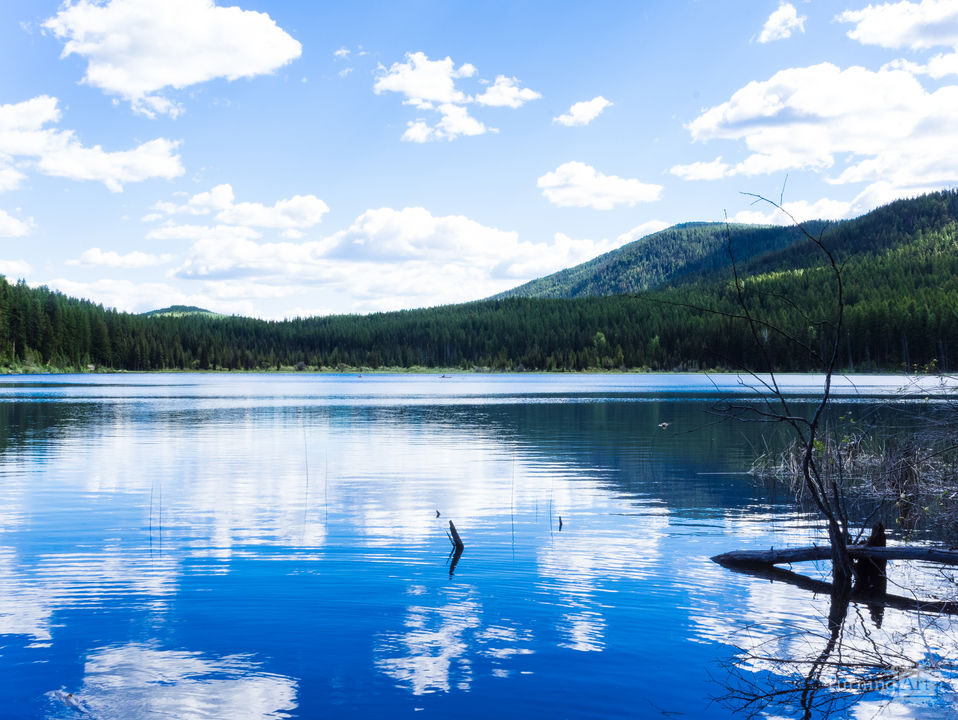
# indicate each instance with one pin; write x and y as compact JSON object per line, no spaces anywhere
{"x":299,"y":211}
{"x":67,"y":158}
{"x":860,"y":125}
{"x":582,"y":113}
{"x":640,"y":231}
{"x":922,"y":25}
{"x":13,"y":227}
{"x":424,"y":81}
{"x":575,"y":184}
{"x":942,"y":65}
{"x":15,"y":268}
{"x":418,"y":131}
{"x":137,"y":297}
{"x":781,"y":23}
{"x":136,"y":48}
{"x":385,"y":234}
{"x":130,"y":261}
{"x":218,"y":198}
{"x":24,"y":133}
{"x":714,"y":170}
{"x":939,"y":66}
{"x":342,"y":53}
{"x":505,"y":92}
{"x":799,"y":210}
{"x":430,"y":85}
{"x":221,"y":254}
{"x":455,"y":121}
{"x":202,"y":232}
{"x":386,"y":259}
{"x":564,"y":252}
{"x":10,"y":178}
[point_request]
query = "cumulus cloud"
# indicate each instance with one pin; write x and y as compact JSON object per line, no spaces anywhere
{"x":10,"y":178}
{"x":575,"y":184}
{"x":913,"y":26}
{"x":918,"y":26}
{"x":25,"y":133}
{"x":299,"y":211}
{"x":137,"y":297}
{"x":202,"y":232}
{"x":796,"y":211}
{"x":564,"y":252}
{"x":582,"y":113}
{"x":714,"y":170}
{"x":505,"y":92}
{"x":385,"y":234}
{"x":781,"y":23}
{"x":137,"y":48}
{"x":95,"y":257}
{"x":15,"y":268}
{"x":862,"y":126}
{"x":424,"y":81}
{"x":418,"y":131}
{"x":13,"y":227}
{"x":455,"y":121}
{"x":386,"y":259}
{"x":430,"y":85}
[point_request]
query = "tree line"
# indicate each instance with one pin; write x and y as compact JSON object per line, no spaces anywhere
{"x":899,"y":264}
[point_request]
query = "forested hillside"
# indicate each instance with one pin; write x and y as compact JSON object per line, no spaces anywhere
{"x":900,"y":270}
{"x":665,"y":258}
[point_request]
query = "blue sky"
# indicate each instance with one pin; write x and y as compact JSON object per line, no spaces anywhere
{"x":281,"y":159}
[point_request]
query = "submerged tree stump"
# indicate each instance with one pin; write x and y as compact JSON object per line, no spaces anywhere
{"x":870,"y":572}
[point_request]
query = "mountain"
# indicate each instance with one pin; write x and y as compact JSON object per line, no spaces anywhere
{"x":179,"y":311}
{"x":662,"y":259}
{"x":696,"y":253}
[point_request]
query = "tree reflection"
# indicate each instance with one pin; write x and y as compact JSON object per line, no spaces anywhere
{"x":843,"y":659}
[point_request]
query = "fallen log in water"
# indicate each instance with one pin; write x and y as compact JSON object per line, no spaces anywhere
{"x":824,"y":552}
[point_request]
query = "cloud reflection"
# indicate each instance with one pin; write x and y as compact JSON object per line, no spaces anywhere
{"x":141,"y":681}
{"x":582,"y":564}
{"x":435,"y":653}
{"x":30,"y":596}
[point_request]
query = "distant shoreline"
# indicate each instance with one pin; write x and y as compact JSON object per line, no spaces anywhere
{"x":417,"y":370}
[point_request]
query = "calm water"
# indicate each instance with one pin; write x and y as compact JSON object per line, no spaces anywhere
{"x":216,"y":546}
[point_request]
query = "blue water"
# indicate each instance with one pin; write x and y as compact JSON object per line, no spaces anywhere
{"x":268,"y":546}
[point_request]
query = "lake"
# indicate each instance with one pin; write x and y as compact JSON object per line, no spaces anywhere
{"x":275,"y":546}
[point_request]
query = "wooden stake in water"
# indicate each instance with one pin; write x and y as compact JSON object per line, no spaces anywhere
{"x":454,"y":537}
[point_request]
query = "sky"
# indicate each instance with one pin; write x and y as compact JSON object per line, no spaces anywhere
{"x":290,"y":158}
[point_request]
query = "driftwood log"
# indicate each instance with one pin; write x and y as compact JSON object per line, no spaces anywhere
{"x":824,"y":552}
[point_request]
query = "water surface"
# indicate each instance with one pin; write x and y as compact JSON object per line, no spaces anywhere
{"x":251,"y":546}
